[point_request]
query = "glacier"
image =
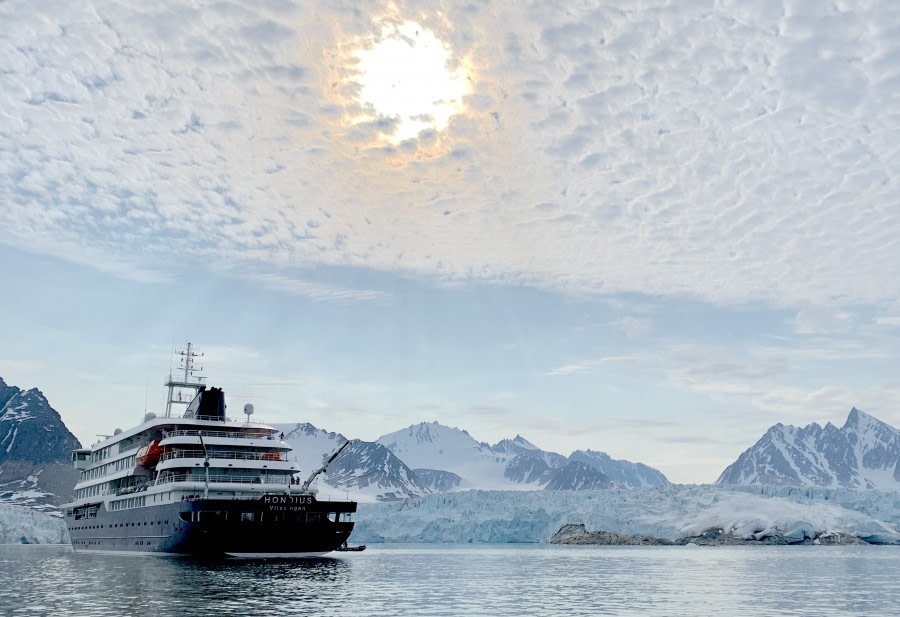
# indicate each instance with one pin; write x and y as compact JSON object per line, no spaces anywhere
{"x":24,"y":525}
{"x":670,"y":512}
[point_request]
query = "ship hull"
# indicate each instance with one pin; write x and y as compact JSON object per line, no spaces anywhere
{"x":270,"y":526}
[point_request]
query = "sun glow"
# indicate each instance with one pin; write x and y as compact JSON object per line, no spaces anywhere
{"x":408,"y":78}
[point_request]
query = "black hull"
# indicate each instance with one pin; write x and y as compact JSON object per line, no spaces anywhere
{"x":272,"y":526}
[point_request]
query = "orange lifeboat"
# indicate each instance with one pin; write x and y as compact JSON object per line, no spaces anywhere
{"x":148,"y":456}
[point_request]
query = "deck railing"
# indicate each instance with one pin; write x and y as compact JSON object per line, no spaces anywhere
{"x":228,"y":479}
{"x":251,"y":434}
{"x":231,"y":456}
{"x":218,"y":419}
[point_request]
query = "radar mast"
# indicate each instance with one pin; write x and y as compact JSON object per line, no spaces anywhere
{"x":189,"y":378}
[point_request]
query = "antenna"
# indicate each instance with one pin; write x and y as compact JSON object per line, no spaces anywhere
{"x":147,"y":391}
{"x":248,"y":410}
{"x":172,"y":357}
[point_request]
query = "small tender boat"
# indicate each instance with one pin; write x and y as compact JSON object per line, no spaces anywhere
{"x":345,"y":548}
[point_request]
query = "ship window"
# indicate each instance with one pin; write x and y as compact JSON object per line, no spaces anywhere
{"x":247,"y":516}
{"x":313,"y":517}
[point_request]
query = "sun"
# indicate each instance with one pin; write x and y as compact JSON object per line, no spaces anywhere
{"x":410,"y":78}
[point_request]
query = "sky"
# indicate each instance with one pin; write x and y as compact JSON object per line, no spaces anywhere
{"x":649,"y":228}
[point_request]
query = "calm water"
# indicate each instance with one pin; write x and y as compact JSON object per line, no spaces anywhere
{"x":462,"y":580}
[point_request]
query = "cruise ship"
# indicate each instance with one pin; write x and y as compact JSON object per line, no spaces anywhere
{"x":200,"y":483}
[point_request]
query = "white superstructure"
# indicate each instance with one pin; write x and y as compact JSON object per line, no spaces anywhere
{"x":199,"y":453}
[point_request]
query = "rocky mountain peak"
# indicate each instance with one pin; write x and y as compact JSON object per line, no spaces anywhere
{"x":31,"y":430}
{"x":35,"y":449}
{"x":863,"y":453}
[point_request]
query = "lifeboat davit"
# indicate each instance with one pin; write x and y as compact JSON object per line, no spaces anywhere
{"x":148,"y":456}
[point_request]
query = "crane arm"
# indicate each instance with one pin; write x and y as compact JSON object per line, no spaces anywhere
{"x":322,"y":469}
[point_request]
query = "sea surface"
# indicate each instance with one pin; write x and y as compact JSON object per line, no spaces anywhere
{"x":460,"y":580}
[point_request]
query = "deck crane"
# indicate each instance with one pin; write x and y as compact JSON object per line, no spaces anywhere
{"x":322,"y":469}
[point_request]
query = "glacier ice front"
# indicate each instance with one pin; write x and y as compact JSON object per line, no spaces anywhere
{"x":671,"y":512}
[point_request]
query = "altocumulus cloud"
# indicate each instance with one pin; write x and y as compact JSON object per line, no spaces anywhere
{"x":731,"y":151}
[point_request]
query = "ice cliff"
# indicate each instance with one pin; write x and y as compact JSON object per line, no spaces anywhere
{"x":671,"y":512}
{"x":23,"y":525}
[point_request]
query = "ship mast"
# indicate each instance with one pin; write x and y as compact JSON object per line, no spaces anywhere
{"x":190,"y":379}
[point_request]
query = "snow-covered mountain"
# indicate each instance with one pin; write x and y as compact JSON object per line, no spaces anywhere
{"x":438,"y":480}
{"x":310,"y":444}
{"x":512,"y":464}
{"x":430,"y":457}
{"x":578,"y":476}
{"x":529,"y":468}
{"x":864,"y":453}
{"x":35,"y":450}
{"x":624,"y":473}
{"x":366,"y":469}
{"x":368,"y":465}
{"x":520,"y":445}
{"x":30,"y":429}
{"x":430,"y":445}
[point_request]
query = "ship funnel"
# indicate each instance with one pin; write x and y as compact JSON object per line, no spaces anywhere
{"x":211,"y":404}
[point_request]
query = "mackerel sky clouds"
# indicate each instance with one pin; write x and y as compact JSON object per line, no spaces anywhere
{"x":649,"y":228}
